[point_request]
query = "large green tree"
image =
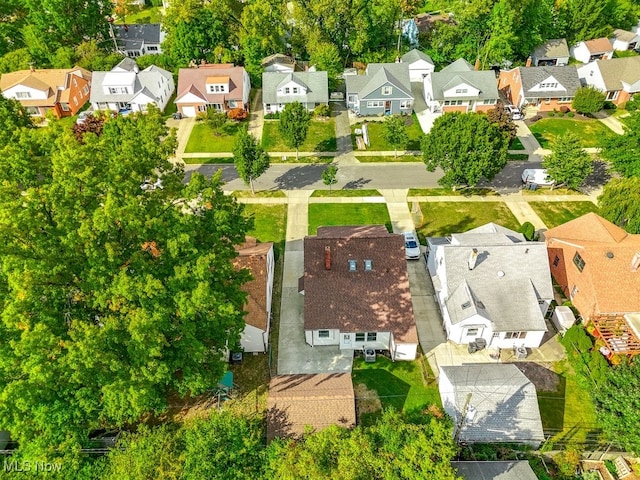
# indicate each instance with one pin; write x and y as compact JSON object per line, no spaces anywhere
{"x":249,"y":157}
{"x":466,"y":146}
{"x":588,"y":100}
{"x":568,"y":164}
{"x":117,"y":290}
{"x":623,"y":151}
{"x":294,"y":125}
{"x":395,"y":132}
{"x":619,"y":203}
{"x":13,"y":118}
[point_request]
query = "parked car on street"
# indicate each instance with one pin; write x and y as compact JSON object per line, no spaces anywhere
{"x":411,"y":246}
{"x":514,"y":111}
{"x":537,"y":176}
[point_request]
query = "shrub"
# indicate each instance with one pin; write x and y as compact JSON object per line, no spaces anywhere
{"x":634,"y":104}
{"x":528,"y":230}
{"x":564,"y":109}
{"x":552,"y":114}
{"x":272,"y":116}
{"x":570,"y":114}
{"x":588,"y":100}
{"x":561,"y":114}
{"x":237,"y":114}
{"x":322,"y":111}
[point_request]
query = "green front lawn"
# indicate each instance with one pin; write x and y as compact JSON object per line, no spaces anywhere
{"x":446,"y":192}
{"x":345,"y":193}
{"x":204,"y":139}
{"x":333,"y":214}
{"x":388,"y":158}
{"x":270,"y":223}
{"x":444,"y":218}
{"x":408,"y":386}
{"x":320,"y":138}
{"x":557,"y":213}
{"x":207,"y":161}
{"x":376,"y":135}
{"x":589,"y":131}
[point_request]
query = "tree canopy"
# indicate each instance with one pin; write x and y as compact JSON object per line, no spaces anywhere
{"x":117,"y":281}
{"x":568,"y":164}
{"x":395,"y":132}
{"x":588,"y":100}
{"x":466,"y":146}
{"x":619,"y":203}
{"x":294,"y":125}
{"x":249,"y":157}
{"x":623,"y":151}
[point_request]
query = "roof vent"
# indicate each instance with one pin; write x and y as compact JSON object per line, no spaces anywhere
{"x":635,"y":262}
{"x":466,"y":305}
{"x":473,"y":258}
{"x":609,"y":254}
{"x":500,"y":273}
{"x":327,"y":258}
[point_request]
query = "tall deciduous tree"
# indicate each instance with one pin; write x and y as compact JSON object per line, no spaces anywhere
{"x":502,"y":119}
{"x":568,"y":164}
{"x":329,"y":176}
{"x":249,"y":157}
{"x":113,"y":296}
{"x":13,"y":117}
{"x":395,"y":132}
{"x":466,"y":146}
{"x":620,"y":203}
{"x":622,"y":150}
{"x":294,"y":125}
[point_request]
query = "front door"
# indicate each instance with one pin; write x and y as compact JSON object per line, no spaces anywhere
{"x":346,"y":340}
{"x":387,"y":107}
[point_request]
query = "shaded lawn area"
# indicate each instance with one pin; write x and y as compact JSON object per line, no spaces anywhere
{"x":557,"y":213}
{"x":146,"y":15}
{"x":444,"y":218}
{"x":334,"y":214}
{"x":516,"y":144}
{"x":171,"y":107}
{"x":261,"y":194}
{"x":207,"y":161}
{"x":388,"y":158}
{"x":589,"y":131}
{"x":320,"y":138}
{"x":376,"y":135}
{"x":405,"y":386}
{"x":345,"y":193}
{"x":204,"y":139}
{"x":303,"y":159}
{"x":252,"y":380}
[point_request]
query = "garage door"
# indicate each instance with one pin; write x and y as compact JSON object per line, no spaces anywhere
{"x":189,"y":111}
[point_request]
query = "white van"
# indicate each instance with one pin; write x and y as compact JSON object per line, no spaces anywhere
{"x":538,"y":176}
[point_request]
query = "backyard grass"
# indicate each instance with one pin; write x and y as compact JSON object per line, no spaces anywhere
{"x":203,"y":138}
{"x":171,"y":107}
{"x":345,"y":193}
{"x":589,"y":131}
{"x":516,"y":144}
{"x":146,"y":15}
{"x":444,"y":218}
{"x":207,"y":161}
{"x":388,"y":158}
{"x":408,"y":386}
{"x":445,"y":192}
{"x":332,"y":214}
{"x":557,"y":213}
{"x":270,"y":223}
{"x":320,"y":138}
{"x":376,"y":135}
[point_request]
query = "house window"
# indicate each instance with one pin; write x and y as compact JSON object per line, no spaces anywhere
{"x":367,"y":265}
{"x":613,"y":95}
{"x":386,"y":90}
{"x":352,"y":265}
{"x":496,"y":335}
{"x":405,"y":104}
{"x":565,"y":99}
{"x":65,"y":107}
{"x":23,"y":95}
{"x":453,"y":102}
{"x":547,"y":100}
{"x":267,"y":106}
{"x":372,"y":336}
{"x":152,"y":48}
{"x":548,"y":85}
{"x":352,"y":98}
{"x":117,"y":90}
{"x":295,"y":90}
{"x":466,"y":305}
{"x":359,"y":337}
{"x":489,"y":101}
{"x":515,"y":335}
{"x":323,"y":334}
{"x":472,"y":332}
{"x":556,"y":261}
{"x":75,"y":101}
{"x":287,"y":90}
{"x":574,"y":290}
{"x":461,"y":90}
{"x":85,"y":89}
{"x":32,"y":110}
{"x":578,"y":261}
{"x":375,"y":104}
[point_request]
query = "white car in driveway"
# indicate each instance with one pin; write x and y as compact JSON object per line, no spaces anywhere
{"x":514,"y":111}
{"x":411,"y":246}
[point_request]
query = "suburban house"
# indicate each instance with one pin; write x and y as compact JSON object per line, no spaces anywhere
{"x":125,"y":87}
{"x":554,"y":53}
{"x":309,"y":88}
{"x":139,"y":39}
{"x":279,"y":63}
{"x":505,"y":470}
{"x":545,"y":88}
{"x":491,"y":283}
{"x":63,"y":91}
{"x":217,"y":86}
{"x":597,"y":265}
{"x":460,"y":88}
{"x":384,"y":89}
{"x":590,"y":50}
{"x":258,"y":258}
{"x":420,"y":65}
{"x":298,"y":402}
{"x":491,"y":403}
{"x":623,"y":40}
{"x":356,"y":291}
{"x":619,"y":78}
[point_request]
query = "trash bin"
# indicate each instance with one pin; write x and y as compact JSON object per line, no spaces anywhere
{"x":369,"y":355}
{"x":481,"y":343}
{"x":177,"y":116}
{"x":472,"y":347}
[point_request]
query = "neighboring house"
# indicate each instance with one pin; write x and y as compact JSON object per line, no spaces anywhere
{"x":554,"y":53}
{"x":508,"y":470}
{"x":125,"y":87}
{"x":619,"y":78}
{"x":491,"y":403}
{"x":590,"y":50}
{"x":217,"y":86}
{"x":410,"y":31}
{"x":623,"y":40}
{"x":259,"y":260}
{"x":309,"y":88}
{"x":597,"y":265}
{"x":420,"y":65}
{"x":491,"y":283}
{"x":139,"y":39}
{"x":296,"y":403}
{"x":384,"y":89}
{"x":460,"y":88}
{"x":63,"y":91}
{"x":279,"y":63}
{"x":356,"y":291}
{"x":544,"y":88}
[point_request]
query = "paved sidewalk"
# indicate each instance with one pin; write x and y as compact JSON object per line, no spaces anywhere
{"x":344,"y":154}
{"x":529,"y":142}
{"x":256,"y":117}
{"x":523,"y":212}
{"x":613,"y":123}
{"x":184,"y":128}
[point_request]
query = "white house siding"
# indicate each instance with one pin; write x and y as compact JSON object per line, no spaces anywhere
{"x":419,"y":70}
{"x":403,"y":351}
{"x":253,"y":339}
{"x":34,"y":94}
{"x":461,"y":332}
{"x":312,"y":337}
{"x":348,"y":341}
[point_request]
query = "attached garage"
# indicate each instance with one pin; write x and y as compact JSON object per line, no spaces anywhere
{"x":188,"y":111}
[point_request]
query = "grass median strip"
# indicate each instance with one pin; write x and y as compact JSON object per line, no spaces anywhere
{"x":330,"y":214}
{"x":387,"y":158}
{"x":206,"y":161}
{"x":346,"y":193}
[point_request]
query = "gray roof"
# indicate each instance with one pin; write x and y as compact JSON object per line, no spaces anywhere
{"x":618,"y":70}
{"x":503,"y":406}
{"x":460,"y":72}
{"x":509,"y":278}
{"x":133,"y":36}
{"x":415,"y":55}
{"x":128,"y":64}
{"x":379,"y":74}
{"x":316,"y":83}
{"x":624,"y":35}
{"x":146,"y":82}
{"x":567,"y":76}
{"x":556,"y":48}
{"x":511,"y":470}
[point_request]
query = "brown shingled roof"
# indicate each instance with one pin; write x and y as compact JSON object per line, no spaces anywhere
{"x":377,"y":300}
{"x":253,"y":256}
{"x":319,"y":401}
{"x":599,"y":45}
{"x":194,"y":80}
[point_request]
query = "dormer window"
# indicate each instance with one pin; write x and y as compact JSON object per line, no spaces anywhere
{"x":287,"y":90}
{"x":387,"y":90}
{"x":217,"y":84}
{"x":461,"y":90}
{"x":23,"y":95}
{"x":118,"y":90}
{"x":578,"y":261}
{"x":548,"y":85}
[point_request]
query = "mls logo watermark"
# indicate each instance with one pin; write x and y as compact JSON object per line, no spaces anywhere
{"x":27,"y":466}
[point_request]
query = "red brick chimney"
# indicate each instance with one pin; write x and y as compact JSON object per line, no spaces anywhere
{"x":477,"y":65}
{"x":327,"y":258}
{"x":528,"y":64}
